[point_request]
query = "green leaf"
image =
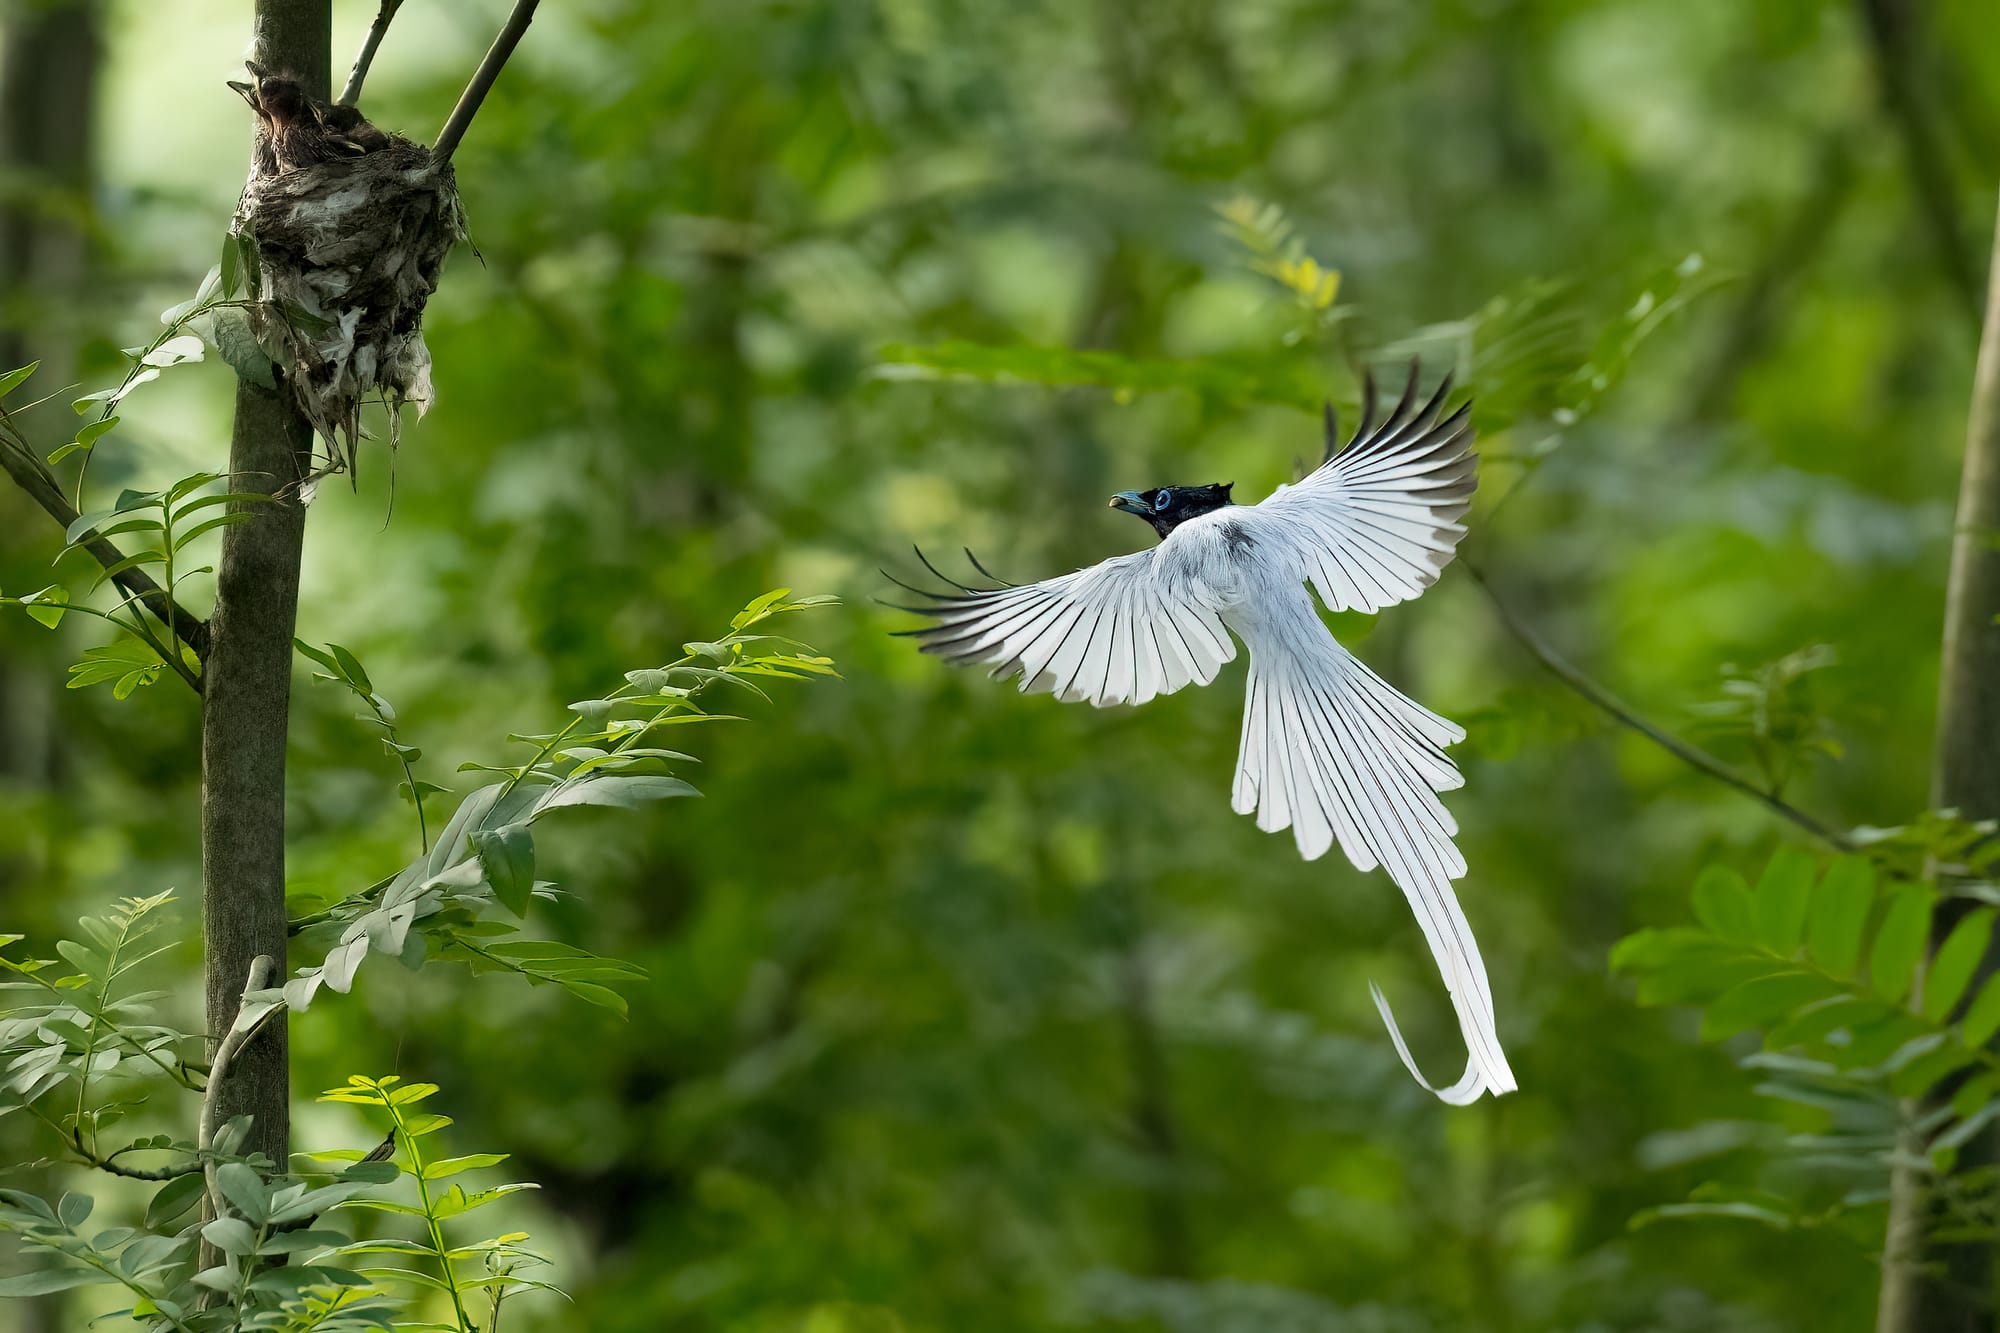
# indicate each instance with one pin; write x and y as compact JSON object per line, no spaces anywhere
{"x":1916,"y":1076}
{"x":48,"y":606}
{"x":451,"y":1166}
{"x":1699,"y":982}
{"x":408,"y":1094}
{"x":86,"y":439}
{"x":627,"y":791}
{"x":1892,"y":964}
{"x":202,"y":529}
{"x":108,"y":398}
{"x":1647,"y":950}
{"x":13,"y":379}
{"x":1779,"y":906}
{"x":291,"y":1242}
{"x":175,"y":350}
{"x":1837,"y":917}
{"x":173,"y":1199}
{"x":320,"y":656}
{"x":508,"y":856}
{"x":137,"y":561}
{"x":244,"y":1189}
{"x":457,"y":1201}
{"x":231,"y":1235}
{"x":127,"y":662}
{"x":1761,"y":1001}
{"x":351,"y":669}
{"x":1722,"y":903}
{"x":230,"y":270}
{"x":1952,"y":967}
{"x":234,"y":339}
{"x":1814,"y":1023}
{"x":1982,"y":1017}
{"x":1975,"y":1094}
{"x":45,"y":1280}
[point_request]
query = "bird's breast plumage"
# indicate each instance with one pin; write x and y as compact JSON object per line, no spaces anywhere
{"x":1211,"y":560}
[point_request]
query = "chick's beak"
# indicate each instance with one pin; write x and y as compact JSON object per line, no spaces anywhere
{"x":245,"y":91}
{"x":1130,"y":502}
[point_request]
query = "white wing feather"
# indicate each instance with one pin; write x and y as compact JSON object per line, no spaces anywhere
{"x":1123,"y":631}
{"x":1378,"y":521}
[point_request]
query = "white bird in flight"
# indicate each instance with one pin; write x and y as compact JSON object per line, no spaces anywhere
{"x":1329,"y":749}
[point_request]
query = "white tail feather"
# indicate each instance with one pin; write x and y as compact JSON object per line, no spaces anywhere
{"x":1332,"y":752}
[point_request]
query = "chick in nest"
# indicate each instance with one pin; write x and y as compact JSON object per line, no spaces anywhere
{"x":296,"y":129}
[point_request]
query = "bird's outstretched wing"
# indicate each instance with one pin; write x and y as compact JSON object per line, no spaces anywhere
{"x":1378,"y":520}
{"x":1118,"y":632}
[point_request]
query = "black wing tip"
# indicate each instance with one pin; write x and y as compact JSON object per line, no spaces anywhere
{"x":1004,"y":583}
{"x":1403,"y":414}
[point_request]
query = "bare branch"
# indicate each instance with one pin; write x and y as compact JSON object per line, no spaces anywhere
{"x":39,"y":484}
{"x":351,"y":94}
{"x":489,"y":69}
{"x":1609,"y":704}
{"x":261,"y":968}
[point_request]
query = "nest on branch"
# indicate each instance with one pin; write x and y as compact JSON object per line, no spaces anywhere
{"x":350,"y":227}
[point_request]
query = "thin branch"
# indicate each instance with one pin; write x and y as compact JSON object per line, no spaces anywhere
{"x":28,"y":473}
{"x":351,"y":94}
{"x":261,"y":968}
{"x":489,"y":69}
{"x":1609,"y":704}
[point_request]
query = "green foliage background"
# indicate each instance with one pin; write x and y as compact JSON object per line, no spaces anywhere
{"x":974,"y":1012}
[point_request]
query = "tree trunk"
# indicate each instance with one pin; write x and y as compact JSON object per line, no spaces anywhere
{"x":49,"y":60}
{"x":1928,"y":1286}
{"x":248,"y":681}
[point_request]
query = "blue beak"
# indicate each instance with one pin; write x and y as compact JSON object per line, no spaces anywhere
{"x":1130,"y":502}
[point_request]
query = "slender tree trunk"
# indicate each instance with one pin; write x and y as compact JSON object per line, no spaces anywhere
{"x":1928,"y":1286}
{"x":49,"y":59}
{"x":247,"y":684}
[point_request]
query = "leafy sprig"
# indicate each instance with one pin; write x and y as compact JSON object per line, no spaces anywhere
{"x":1826,"y":963}
{"x":442,"y":903}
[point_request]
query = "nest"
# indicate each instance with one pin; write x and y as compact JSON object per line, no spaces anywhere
{"x":348,"y":252}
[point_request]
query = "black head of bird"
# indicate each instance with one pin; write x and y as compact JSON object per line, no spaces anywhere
{"x":1167,"y":507}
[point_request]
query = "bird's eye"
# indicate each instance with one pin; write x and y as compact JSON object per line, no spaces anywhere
{"x":1161,"y":501}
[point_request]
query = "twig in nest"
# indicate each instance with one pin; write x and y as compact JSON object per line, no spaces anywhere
{"x":351,"y":94}
{"x":460,"y":120}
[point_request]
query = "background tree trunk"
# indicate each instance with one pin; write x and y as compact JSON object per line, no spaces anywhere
{"x":247,"y":685}
{"x":1929,"y":1286}
{"x":49,"y":59}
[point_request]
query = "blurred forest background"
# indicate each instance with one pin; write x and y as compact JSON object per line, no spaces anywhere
{"x":972,"y":1012}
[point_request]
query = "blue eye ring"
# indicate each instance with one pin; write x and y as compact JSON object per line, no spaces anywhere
{"x":1162,"y":500}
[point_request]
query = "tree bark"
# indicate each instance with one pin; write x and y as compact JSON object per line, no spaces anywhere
{"x":248,"y":681}
{"x":1929,"y":1286}
{"x":50,"y":55}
